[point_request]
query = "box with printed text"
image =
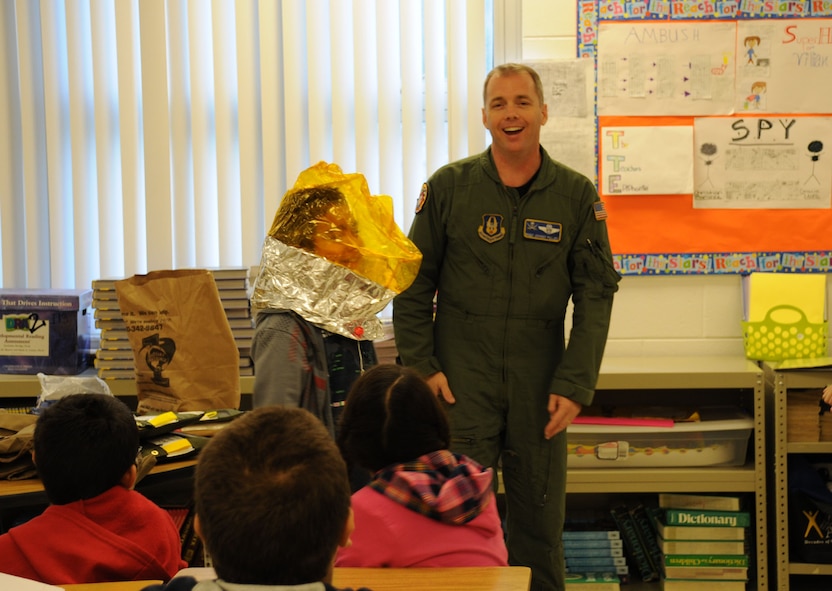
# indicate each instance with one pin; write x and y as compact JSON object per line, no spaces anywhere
{"x":45,"y":330}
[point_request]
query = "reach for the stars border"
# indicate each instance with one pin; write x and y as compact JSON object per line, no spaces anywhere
{"x":723,"y":263}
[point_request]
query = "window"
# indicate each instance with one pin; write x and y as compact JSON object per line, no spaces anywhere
{"x":158,"y":134}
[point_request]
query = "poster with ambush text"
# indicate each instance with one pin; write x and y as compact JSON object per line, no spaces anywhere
{"x":666,"y":68}
{"x":777,"y":162}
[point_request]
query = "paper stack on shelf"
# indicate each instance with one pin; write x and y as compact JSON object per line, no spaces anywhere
{"x":114,"y":357}
{"x":802,"y":418}
{"x":233,"y":285}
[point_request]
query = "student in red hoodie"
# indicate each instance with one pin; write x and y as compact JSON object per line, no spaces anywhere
{"x":97,"y":528}
{"x":425,"y":506}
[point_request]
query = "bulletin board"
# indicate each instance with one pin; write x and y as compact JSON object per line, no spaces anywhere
{"x":713,"y":133}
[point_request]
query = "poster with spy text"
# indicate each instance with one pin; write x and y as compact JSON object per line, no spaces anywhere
{"x":776,"y":162}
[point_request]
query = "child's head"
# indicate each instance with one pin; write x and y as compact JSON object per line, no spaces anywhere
{"x":84,"y":445}
{"x":273,"y":498}
{"x":318,"y":220}
{"x":391,"y":416}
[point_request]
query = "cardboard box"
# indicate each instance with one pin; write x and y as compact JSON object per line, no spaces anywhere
{"x":45,"y":331}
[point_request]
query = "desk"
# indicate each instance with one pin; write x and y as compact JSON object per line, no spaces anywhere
{"x":33,"y":486}
{"x":120,"y":586}
{"x":470,"y":578}
{"x":474,"y":578}
{"x":492,"y":578}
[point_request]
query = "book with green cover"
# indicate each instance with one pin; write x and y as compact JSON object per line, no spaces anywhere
{"x":695,"y":532}
{"x":702,"y":546}
{"x":698,"y":585}
{"x":699,"y":502}
{"x":706,"y":518}
{"x":723,"y":560}
{"x":707,"y":573}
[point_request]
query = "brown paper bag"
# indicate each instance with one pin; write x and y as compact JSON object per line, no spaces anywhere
{"x":186,"y":356}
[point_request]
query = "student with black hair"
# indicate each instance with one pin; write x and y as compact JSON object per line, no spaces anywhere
{"x":97,"y":528}
{"x":272,"y":504}
{"x":424,"y":506}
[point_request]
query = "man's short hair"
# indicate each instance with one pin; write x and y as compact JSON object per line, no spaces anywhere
{"x":511,"y":68}
{"x":272,"y":497}
{"x":391,"y":416}
{"x":84,"y":444}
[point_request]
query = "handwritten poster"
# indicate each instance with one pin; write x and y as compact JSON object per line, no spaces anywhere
{"x":784,"y":66}
{"x":646,"y":160}
{"x":777,"y":162}
{"x":666,"y":68}
{"x":751,"y":79}
{"x":569,"y":92}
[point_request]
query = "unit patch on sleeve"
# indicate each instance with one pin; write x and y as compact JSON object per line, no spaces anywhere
{"x":423,"y":196}
{"x":542,"y":230}
{"x":492,"y":228}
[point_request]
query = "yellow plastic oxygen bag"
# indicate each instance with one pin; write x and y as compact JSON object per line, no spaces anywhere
{"x":334,"y":254}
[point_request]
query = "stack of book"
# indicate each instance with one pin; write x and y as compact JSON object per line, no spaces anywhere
{"x":233,"y":285}
{"x":594,"y":555}
{"x":704,"y":549}
{"x":114,"y":356}
{"x":592,"y":582}
{"x":640,"y":544}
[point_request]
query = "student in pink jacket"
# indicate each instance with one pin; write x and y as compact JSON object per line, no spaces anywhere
{"x":424,"y":506}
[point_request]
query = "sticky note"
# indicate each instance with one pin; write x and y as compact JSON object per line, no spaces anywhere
{"x":163,"y":419}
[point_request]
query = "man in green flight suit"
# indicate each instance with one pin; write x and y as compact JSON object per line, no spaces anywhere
{"x":507,"y":237}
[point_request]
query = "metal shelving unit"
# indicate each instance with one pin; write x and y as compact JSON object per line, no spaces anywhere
{"x":778,"y":384}
{"x":687,"y":381}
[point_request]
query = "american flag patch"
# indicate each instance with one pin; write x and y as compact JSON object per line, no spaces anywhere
{"x":599,"y":210}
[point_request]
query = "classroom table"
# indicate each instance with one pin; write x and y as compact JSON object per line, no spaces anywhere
{"x":119,"y":586}
{"x":489,"y":578}
{"x":33,"y":486}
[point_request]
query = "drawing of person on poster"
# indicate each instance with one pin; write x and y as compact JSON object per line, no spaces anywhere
{"x":750,"y":43}
{"x":753,"y":100}
{"x":815,"y":148}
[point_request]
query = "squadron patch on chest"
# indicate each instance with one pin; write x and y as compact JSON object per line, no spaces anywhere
{"x":492,"y":228}
{"x":542,"y":230}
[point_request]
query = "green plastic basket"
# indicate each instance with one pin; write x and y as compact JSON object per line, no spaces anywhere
{"x":770,"y":340}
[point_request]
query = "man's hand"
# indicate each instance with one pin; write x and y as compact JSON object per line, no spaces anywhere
{"x":561,"y":413}
{"x":439,"y":384}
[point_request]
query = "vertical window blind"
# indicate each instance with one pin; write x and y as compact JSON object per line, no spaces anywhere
{"x":138,"y":135}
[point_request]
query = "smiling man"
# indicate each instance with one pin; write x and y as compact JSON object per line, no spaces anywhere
{"x":507,"y":238}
